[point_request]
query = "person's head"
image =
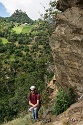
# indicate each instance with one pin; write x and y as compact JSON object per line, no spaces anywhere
{"x":32,"y":89}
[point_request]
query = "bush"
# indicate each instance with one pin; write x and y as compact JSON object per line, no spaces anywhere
{"x":63,"y":100}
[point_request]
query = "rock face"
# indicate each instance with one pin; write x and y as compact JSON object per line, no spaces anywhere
{"x":62,"y":5}
{"x":72,"y":116}
{"x":67,"y":45}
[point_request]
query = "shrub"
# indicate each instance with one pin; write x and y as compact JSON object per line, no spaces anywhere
{"x":63,"y":100}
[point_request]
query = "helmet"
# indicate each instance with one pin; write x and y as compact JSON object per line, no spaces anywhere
{"x":32,"y":87}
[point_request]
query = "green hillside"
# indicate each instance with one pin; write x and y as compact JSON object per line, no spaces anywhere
{"x":26,"y":59}
{"x":20,"y":17}
{"x":18,"y":29}
{"x":27,"y":29}
{"x":22,"y":29}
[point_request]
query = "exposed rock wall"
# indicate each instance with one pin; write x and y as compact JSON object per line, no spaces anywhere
{"x":67,"y":45}
{"x":72,"y":116}
{"x":62,"y":5}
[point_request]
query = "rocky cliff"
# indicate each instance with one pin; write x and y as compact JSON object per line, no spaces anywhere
{"x":67,"y":45}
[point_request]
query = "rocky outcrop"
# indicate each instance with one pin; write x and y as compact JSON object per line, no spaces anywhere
{"x":67,"y":45}
{"x":73,"y":115}
{"x":62,"y":5}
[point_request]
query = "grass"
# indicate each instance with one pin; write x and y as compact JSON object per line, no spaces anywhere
{"x":27,"y":29}
{"x":23,"y":29}
{"x":4,"y":40}
{"x":18,"y":29}
{"x":20,"y":121}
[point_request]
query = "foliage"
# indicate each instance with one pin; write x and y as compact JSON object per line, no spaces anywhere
{"x":50,"y":16}
{"x":20,"y":121}
{"x":25,"y":60}
{"x":20,"y":17}
{"x":63,"y":100}
{"x":18,"y":29}
{"x":27,"y":29}
{"x":23,"y":29}
{"x":45,"y":97}
{"x":4,"y":41}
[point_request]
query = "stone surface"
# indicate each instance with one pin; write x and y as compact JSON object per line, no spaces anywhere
{"x":62,"y":5}
{"x":67,"y":46}
{"x":73,"y":116}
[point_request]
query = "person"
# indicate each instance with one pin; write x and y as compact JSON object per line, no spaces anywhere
{"x":34,"y":102}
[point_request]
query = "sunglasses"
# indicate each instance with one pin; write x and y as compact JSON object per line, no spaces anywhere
{"x":32,"y":90}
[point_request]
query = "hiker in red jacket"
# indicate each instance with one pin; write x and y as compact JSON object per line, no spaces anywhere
{"x":34,"y":102}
